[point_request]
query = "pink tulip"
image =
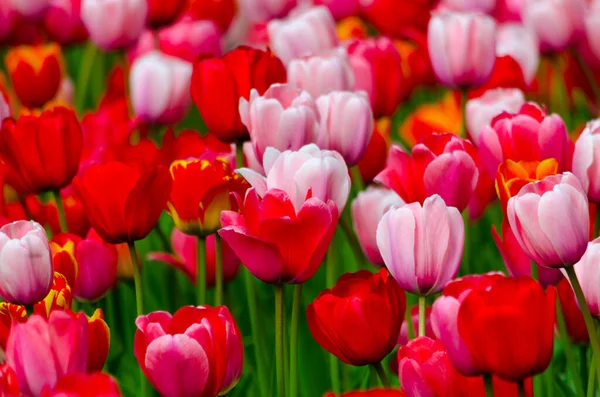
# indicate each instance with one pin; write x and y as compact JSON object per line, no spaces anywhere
{"x":484,"y":6}
{"x":340,"y":8}
{"x":186,"y":39}
{"x":422,"y":245}
{"x":367,"y":210}
{"x":127,"y":21}
{"x":31,"y":9}
{"x":592,"y":30}
{"x":346,"y":124}
{"x":509,"y":10}
{"x":550,"y":220}
{"x":310,"y":32}
{"x":588,"y":274}
{"x":265,"y":10}
{"x":43,"y":351}
{"x":521,"y":44}
{"x":196,"y":352}
{"x":96,"y":268}
{"x":8,"y":16}
{"x":558,"y":24}
{"x":160,"y":87}
{"x":283,"y":118}
{"x":586,"y":160}
{"x":25,"y":263}
{"x":321,"y":173}
{"x":481,"y":111}
{"x":63,"y":21}
{"x":322,"y":74}
{"x":462,"y":48}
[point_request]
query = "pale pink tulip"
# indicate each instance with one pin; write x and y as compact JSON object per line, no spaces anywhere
{"x":346,"y":124}
{"x":26,"y":268}
{"x":462,"y":48}
{"x":160,"y":87}
{"x":481,"y":111}
{"x":586,"y":160}
{"x":186,"y":39}
{"x":485,"y":6}
{"x":592,"y":29}
{"x":521,"y":44}
{"x":588,"y":274}
{"x":550,"y":220}
{"x":265,"y":10}
{"x":322,"y":74}
{"x":422,"y":245}
{"x":367,"y":210}
{"x":283,"y":118}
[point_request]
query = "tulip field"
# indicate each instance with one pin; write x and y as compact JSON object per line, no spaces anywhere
{"x":299,"y":198}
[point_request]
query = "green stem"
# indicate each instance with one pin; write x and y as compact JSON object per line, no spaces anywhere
{"x":201,"y":277}
{"x":466,"y":257}
{"x":296,"y":308}
{"x":422,"y":319}
{"x":334,"y":365}
{"x":534,"y":271}
{"x":597,"y":223}
{"x":84,"y":76}
{"x":589,"y":75}
{"x":463,"y":111}
{"x":75,"y":305}
{"x":568,"y":348}
{"x":357,"y":180}
{"x":139,"y":300}
{"x":585,"y":310}
{"x":218,"y":271}
{"x":521,"y":386}
{"x":346,"y":225}
{"x":409,"y":325}
{"x":239,"y":155}
{"x":62,"y":218}
{"x":591,"y":386}
{"x":279,"y":361}
{"x":489,"y":387}
{"x":382,"y":375}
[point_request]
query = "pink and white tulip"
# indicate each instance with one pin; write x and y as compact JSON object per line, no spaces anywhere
{"x":592,"y":29}
{"x":588,"y":274}
{"x":521,"y":43}
{"x":586,"y":160}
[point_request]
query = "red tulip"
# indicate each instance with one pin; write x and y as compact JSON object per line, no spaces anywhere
{"x":41,"y":153}
{"x":219,"y":11}
{"x":123,"y":201}
{"x":191,"y":144}
{"x":84,"y":385}
{"x":219,"y":83}
{"x":359,"y":319}
{"x":507,"y":73}
{"x":370,"y":393}
{"x":572,"y":314}
{"x":9,"y":385}
{"x":99,"y":334}
{"x":58,"y":299}
{"x":399,"y":18}
{"x":9,"y":314}
{"x":374,"y":159}
{"x":46,"y":213}
{"x":162,"y":13}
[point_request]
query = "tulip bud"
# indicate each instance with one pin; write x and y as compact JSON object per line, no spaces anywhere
{"x":63,"y":22}
{"x":574,"y":322}
{"x":586,"y":160}
{"x":187,"y":39}
{"x":99,"y":334}
{"x":8,"y":16}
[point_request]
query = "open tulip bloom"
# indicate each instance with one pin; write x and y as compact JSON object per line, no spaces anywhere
{"x":294,"y":198}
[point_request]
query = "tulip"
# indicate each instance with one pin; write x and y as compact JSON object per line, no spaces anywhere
{"x":9,"y":315}
{"x":322,"y":74}
{"x":341,"y":112}
{"x":370,"y":393}
{"x":441,"y":164}
{"x":35,"y":73}
{"x":31,"y":9}
{"x":377,"y":69}
{"x":591,"y":29}
{"x":41,"y":153}
{"x":340,"y":8}
{"x":128,"y":18}
{"x":588,"y":276}
{"x":25,"y":263}
{"x":160,"y":88}
{"x":43,"y":351}
{"x":568,"y":14}
{"x":367,"y":210}
{"x":162,"y":13}
{"x":9,"y":385}
{"x":507,"y":314}
{"x":521,"y":44}
{"x":308,"y":172}
{"x":397,"y":17}
{"x":483,"y":194}
{"x":185,"y":257}
{"x":550,"y":238}
{"x":187,"y":39}
{"x":403,"y":337}
{"x":81,"y":385}
{"x":359,"y":319}
{"x":283,"y":118}
{"x":123,"y":202}
{"x":63,"y":21}
{"x":586,"y":160}
{"x":8,"y":16}
{"x":574,"y":322}
{"x":529,"y":135}
{"x":482,"y":111}
{"x":197,"y":211}
{"x":196,"y":352}
{"x":230,"y":78}
{"x":462,"y":48}
{"x":47,"y":213}
{"x":264,"y":10}
{"x":311,"y":32}
{"x":99,"y":333}
{"x":485,"y":6}
{"x":191,"y":144}
{"x":219,"y":11}
{"x":375,"y":157}
{"x":58,"y":299}
{"x":4,"y":107}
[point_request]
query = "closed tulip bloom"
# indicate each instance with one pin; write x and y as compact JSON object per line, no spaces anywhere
{"x":25,"y":263}
{"x":375,"y":157}
{"x":309,"y":171}
{"x":322,"y":74}
{"x":311,"y":32}
{"x":9,"y":385}
{"x":484,"y":6}
{"x":462,"y":48}
{"x":81,"y":385}
{"x":187,"y":39}
{"x":43,"y":351}
{"x":99,"y":335}
{"x":346,"y":124}
{"x":265,"y":10}
{"x":113,"y":193}
{"x":340,"y":8}
{"x":529,"y":135}
{"x":367,"y":210}
{"x":160,"y":87}
{"x":481,"y":111}
{"x":592,"y":18}
{"x":8,"y":16}
{"x":198,"y":351}
{"x":587,"y":272}
{"x":31,"y":9}
{"x":543,"y":15}
{"x":9,"y":315}
{"x":162,"y":13}
{"x":550,"y":238}
{"x":586,"y":160}
{"x":219,"y":83}
{"x":521,"y":43}
{"x":128,"y":19}
{"x":441,"y":164}
{"x":377,"y":67}
{"x":219,"y":11}
{"x":284,"y":118}
{"x":422,"y":245}
{"x":63,"y":21}
{"x":359,"y":319}
{"x":574,"y":322}
{"x":512,"y":312}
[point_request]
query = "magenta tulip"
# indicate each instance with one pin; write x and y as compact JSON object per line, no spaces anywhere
{"x":265,"y":10}
{"x":588,"y":274}
{"x":586,"y":160}
{"x":341,"y":8}
{"x":31,"y":9}
{"x":485,"y":6}
{"x":186,"y":39}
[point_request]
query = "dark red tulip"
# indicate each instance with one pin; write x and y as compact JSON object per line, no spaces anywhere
{"x":572,"y":314}
{"x":162,"y":13}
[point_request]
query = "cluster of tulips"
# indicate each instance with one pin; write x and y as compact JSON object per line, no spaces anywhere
{"x":285,"y":198}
